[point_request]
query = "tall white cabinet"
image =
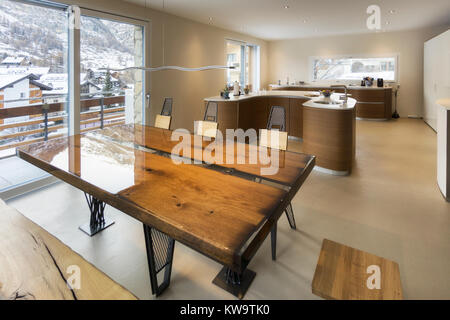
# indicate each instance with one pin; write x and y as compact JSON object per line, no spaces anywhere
{"x":436,"y":75}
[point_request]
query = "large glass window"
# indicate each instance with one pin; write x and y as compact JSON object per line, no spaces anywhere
{"x":353,"y":68}
{"x":245,"y":60}
{"x":39,"y":100}
{"x":110,"y":98}
{"x":33,"y":46}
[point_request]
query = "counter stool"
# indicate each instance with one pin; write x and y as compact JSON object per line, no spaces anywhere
{"x":163,"y":120}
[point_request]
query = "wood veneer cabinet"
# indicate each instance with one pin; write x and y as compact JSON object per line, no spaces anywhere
{"x":330,"y":136}
{"x":254,"y":113}
{"x":372,"y":103}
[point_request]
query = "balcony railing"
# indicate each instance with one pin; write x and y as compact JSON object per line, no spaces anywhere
{"x":48,"y":120}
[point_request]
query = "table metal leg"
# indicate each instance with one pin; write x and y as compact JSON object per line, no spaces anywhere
{"x":290,"y":216}
{"x":98,"y":221}
{"x":273,"y":238}
{"x":233,"y":282}
{"x":160,"y":249}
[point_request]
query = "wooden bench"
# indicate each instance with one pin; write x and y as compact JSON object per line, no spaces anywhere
{"x":342,"y":273}
{"x":34,"y":265}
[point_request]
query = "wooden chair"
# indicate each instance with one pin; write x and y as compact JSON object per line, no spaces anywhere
{"x":208,"y":127}
{"x":163,"y":120}
{"x":277,"y":120}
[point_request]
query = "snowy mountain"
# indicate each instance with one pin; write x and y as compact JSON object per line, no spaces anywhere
{"x":40,"y":34}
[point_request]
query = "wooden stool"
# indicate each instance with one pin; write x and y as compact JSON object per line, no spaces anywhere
{"x":35,"y":265}
{"x":344,"y":273}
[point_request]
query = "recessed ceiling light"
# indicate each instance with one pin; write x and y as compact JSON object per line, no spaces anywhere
{"x":391,"y":11}
{"x":286,"y":7}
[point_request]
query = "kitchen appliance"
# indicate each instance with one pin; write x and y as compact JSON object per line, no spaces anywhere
{"x":380,"y":83}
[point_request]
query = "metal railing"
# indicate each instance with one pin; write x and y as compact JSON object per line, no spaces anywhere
{"x":47,"y":119}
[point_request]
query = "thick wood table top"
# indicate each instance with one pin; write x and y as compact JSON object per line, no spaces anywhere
{"x":219,"y":215}
{"x":342,"y":273}
{"x":35,"y":265}
{"x":291,"y":165}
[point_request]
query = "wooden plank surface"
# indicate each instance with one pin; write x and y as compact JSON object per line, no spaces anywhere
{"x":211,"y":212}
{"x":291,"y":165}
{"x":341,"y":273}
{"x":34,"y":265}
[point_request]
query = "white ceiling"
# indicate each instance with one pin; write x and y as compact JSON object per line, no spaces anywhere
{"x":268,"y":19}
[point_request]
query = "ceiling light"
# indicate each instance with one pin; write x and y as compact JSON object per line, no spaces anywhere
{"x":286,"y":7}
{"x":387,"y":22}
{"x":391,"y":11}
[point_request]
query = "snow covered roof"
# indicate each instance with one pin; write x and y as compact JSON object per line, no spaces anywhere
{"x":13,"y":60}
{"x":39,"y":71}
{"x":9,"y":80}
{"x":59,"y":82}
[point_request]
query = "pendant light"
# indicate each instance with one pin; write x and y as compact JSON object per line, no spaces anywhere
{"x":164,"y":67}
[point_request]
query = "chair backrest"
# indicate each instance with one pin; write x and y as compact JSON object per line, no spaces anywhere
{"x":277,"y":119}
{"x":167,"y":107}
{"x":211,"y":112}
{"x":205,"y":128}
{"x":266,"y":136}
{"x":162,"y":122}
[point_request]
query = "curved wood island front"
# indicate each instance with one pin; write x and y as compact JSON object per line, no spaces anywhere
{"x":328,"y":131}
{"x":373,"y":103}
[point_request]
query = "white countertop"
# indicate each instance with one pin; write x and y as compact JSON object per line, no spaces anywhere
{"x":444,"y":103}
{"x":291,"y":94}
{"x":349,"y":105}
{"x":354,"y":87}
{"x":278,"y":93}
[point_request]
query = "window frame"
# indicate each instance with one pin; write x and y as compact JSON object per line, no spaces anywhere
{"x":257,"y":62}
{"x":312,"y":59}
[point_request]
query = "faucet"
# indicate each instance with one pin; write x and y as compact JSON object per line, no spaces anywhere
{"x":345,"y":88}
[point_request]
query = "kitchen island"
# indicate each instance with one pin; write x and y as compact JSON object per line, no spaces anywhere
{"x":374,"y":103}
{"x":328,"y":131}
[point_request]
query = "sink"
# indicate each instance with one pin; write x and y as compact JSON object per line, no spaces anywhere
{"x":328,"y":102}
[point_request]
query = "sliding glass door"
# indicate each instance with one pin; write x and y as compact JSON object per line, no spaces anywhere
{"x":109,"y":97}
{"x":33,"y":84}
{"x":39,"y":98}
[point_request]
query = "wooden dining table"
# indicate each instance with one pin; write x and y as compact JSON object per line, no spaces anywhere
{"x":224,"y":211}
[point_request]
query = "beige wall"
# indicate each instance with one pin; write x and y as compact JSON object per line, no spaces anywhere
{"x":188,"y":44}
{"x":290,"y":58}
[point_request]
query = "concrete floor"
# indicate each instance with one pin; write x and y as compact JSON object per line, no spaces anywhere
{"x":390,"y":206}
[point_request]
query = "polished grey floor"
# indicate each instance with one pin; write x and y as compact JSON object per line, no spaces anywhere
{"x":390,"y":206}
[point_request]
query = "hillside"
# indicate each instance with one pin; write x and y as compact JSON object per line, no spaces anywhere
{"x":40,"y":34}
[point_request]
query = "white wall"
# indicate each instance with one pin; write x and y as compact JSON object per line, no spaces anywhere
{"x":436,"y":75}
{"x":291,"y":57}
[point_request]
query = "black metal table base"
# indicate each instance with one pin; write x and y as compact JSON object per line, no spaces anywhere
{"x":98,"y":221}
{"x":233,"y":282}
{"x":290,"y":215}
{"x":160,"y":249}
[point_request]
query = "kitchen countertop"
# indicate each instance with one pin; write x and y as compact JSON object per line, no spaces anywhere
{"x":289,"y":94}
{"x":354,"y":87}
{"x":444,"y":102}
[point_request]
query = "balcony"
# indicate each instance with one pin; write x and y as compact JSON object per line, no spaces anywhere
{"x":45,"y":122}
